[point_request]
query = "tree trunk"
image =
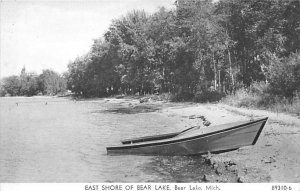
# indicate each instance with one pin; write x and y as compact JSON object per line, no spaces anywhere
{"x":219,"y":86}
{"x":215,"y":72}
{"x":230,"y":68}
{"x":230,"y":63}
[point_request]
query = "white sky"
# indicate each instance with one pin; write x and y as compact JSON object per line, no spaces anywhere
{"x":42,"y":34}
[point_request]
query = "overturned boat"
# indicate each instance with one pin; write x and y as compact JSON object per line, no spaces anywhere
{"x":195,"y":140}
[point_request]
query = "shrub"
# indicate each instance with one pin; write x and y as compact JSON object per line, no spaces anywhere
{"x":184,"y":96}
{"x":208,"y":96}
{"x":258,"y":96}
{"x":241,"y":98}
{"x":259,"y":88}
{"x":287,"y":105}
{"x":255,"y":96}
{"x":284,"y":75}
{"x":164,"y":96}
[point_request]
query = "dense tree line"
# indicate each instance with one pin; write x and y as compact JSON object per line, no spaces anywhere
{"x":197,"y":47}
{"x":29,"y":84}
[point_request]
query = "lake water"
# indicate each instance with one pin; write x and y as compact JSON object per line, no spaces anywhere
{"x":60,"y":140}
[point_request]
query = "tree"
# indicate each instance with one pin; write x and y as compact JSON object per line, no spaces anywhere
{"x":28,"y":83}
{"x":199,"y":45}
{"x":284,"y":75}
{"x":11,"y":85}
{"x":51,"y":83}
{"x":77,"y":79}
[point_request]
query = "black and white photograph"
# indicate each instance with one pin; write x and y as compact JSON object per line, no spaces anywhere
{"x":150,"y":91}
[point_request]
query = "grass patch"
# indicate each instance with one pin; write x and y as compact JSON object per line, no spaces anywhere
{"x":258,"y":96}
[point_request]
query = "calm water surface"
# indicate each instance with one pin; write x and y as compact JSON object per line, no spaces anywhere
{"x":59,"y":140}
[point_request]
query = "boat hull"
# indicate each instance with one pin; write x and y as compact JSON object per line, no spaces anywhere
{"x":216,"y":141}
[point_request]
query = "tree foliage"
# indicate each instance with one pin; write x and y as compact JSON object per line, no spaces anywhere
{"x":199,"y":47}
{"x":29,"y":84}
{"x":284,"y":75}
{"x":51,"y":83}
{"x":10,"y":85}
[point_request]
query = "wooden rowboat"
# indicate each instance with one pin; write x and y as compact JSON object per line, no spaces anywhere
{"x":195,"y":140}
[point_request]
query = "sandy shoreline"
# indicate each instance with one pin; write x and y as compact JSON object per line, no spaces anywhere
{"x":274,"y":158}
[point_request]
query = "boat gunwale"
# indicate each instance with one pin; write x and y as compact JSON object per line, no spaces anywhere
{"x":154,"y":137}
{"x":147,"y":144}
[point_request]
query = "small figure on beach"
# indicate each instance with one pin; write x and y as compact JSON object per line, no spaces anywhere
{"x":17,"y":103}
{"x":46,"y":103}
